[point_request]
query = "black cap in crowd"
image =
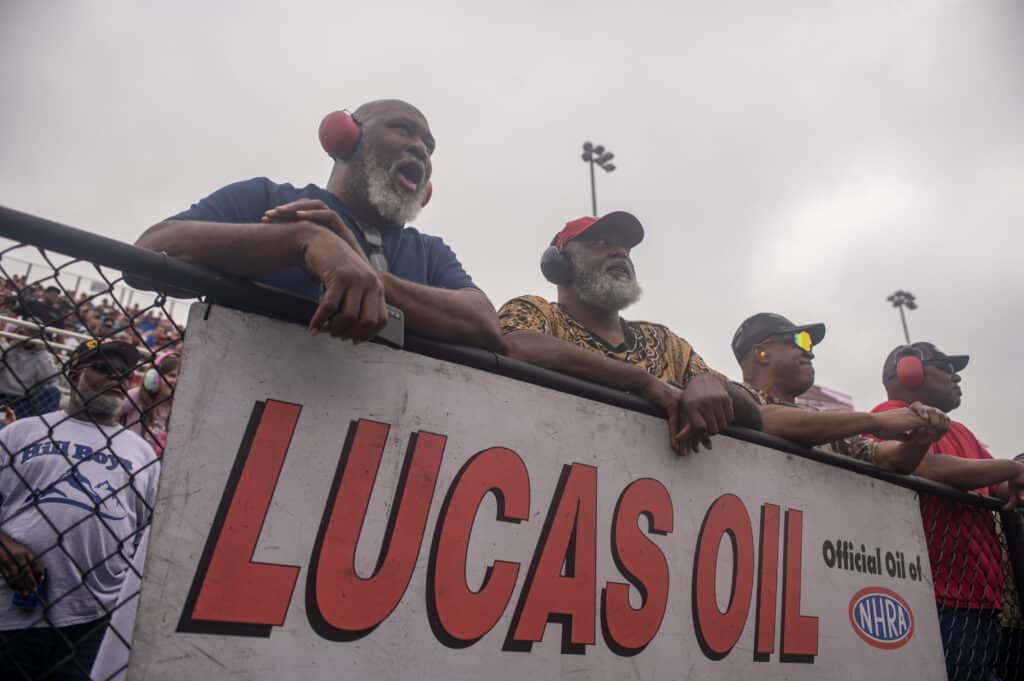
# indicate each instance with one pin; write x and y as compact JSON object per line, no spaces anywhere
{"x":92,"y":350}
{"x":927,"y":352}
{"x":765,"y":325}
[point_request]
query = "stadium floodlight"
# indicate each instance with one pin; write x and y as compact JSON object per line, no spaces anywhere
{"x":596,"y":155}
{"x":903,"y":299}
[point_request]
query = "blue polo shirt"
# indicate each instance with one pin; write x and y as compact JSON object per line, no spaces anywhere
{"x":411,"y":255}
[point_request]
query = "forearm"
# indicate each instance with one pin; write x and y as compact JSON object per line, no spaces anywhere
{"x":900,"y":457}
{"x":459,"y":316}
{"x":246,"y":250}
{"x":745,"y":410}
{"x":812,"y":428}
{"x":559,"y":355}
{"x":966,"y":474}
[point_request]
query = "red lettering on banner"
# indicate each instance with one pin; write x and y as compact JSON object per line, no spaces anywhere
{"x":767,"y":583}
{"x":627,"y":631}
{"x":459,"y":616}
{"x":341,"y":605}
{"x":717,"y":632}
{"x":232,"y":594}
{"x":799,"y":632}
{"x":569,"y":540}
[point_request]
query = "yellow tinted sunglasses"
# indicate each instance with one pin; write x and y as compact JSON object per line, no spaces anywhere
{"x":802,"y":339}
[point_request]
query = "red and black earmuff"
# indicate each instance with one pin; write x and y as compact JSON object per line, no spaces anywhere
{"x":910,"y":367}
{"x":340,"y":134}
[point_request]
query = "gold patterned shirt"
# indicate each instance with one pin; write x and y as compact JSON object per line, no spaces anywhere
{"x":856,"y":446}
{"x":649,"y":346}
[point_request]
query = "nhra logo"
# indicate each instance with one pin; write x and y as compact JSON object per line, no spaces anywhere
{"x":881,"y":617}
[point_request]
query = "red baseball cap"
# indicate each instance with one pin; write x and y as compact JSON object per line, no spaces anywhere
{"x":618,"y":222}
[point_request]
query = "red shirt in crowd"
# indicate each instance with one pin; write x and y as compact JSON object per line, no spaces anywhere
{"x":966,"y":559}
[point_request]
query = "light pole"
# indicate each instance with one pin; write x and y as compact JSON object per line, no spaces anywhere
{"x":903,"y":299}
{"x":599,"y":156}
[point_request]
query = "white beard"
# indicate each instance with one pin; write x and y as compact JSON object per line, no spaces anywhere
{"x":603,"y":291}
{"x":103,"y":404}
{"x":397,"y":208}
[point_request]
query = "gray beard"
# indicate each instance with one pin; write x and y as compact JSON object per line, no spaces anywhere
{"x":603,"y":291}
{"x":101,"y":404}
{"x":397,"y":208}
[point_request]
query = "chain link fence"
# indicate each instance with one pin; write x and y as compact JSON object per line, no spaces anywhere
{"x":81,"y":440}
{"x":82,"y":433}
{"x":975,"y":554}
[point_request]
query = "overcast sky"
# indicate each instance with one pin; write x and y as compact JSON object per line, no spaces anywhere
{"x":803,"y":158}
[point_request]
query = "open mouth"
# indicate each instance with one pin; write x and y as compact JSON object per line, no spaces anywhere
{"x":620,"y":269}
{"x":410,"y":174}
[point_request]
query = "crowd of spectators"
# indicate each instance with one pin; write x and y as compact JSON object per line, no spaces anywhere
{"x":97,"y":315}
{"x":44,"y":323}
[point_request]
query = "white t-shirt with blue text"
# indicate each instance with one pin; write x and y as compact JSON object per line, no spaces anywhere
{"x":77,"y":494}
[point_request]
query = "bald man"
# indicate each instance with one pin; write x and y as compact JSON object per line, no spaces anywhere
{"x":345,"y":245}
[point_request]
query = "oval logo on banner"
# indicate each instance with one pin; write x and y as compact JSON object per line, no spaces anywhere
{"x":881,"y":617}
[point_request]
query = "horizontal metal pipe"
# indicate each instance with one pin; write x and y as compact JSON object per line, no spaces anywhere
{"x":154,"y":271}
{"x":49,"y":329}
{"x":181,"y":279}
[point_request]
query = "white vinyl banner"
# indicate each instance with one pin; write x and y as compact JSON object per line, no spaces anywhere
{"x":337,"y":512}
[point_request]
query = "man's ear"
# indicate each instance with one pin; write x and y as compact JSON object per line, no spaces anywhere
{"x":760,"y":354}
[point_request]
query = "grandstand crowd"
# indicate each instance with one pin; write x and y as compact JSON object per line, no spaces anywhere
{"x":96,"y":314}
{"x":347,"y":246}
{"x":42,"y":325}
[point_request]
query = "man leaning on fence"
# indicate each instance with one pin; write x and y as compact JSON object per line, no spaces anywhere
{"x":349,"y":237}
{"x":76,"y":489}
{"x":777,"y":360}
{"x":963,"y":546}
{"x":583,"y":335}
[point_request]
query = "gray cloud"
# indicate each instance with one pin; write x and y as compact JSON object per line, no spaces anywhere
{"x":807,"y":159}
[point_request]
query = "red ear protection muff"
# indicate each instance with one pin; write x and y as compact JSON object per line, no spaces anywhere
{"x":555,"y":266}
{"x":340,"y":134}
{"x":910,"y":369}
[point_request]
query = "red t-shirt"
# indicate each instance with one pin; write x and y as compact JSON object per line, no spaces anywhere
{"x":967,"y":562}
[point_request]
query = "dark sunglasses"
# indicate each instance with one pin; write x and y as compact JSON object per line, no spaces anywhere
{"x":940,"y":364}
